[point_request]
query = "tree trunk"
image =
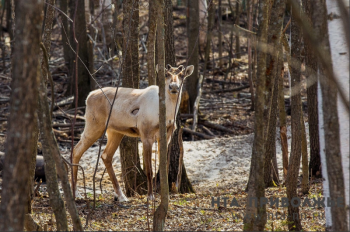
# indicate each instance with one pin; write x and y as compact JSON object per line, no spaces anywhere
{"x":238,"y":45}
{"x":282,"y":114}
{"x":82,"y":73}
{"x":134,"y":177}
{"x":56,"y":201}
{"x":192,"y":51}
{"x":53,"y":151}
{"x":161,"y":212}
{"x":305,"y":181}
{"x":312,"y":102}
{"x":65,"y":36}
{"x":19,"y":144}
{"x":175,"y":146}
{"x":256,"y":176}
{"x":29,"y":223}
{"x":331,"y":122}
{"x":272,"y":76}
{"x":219,"y":33}
{"x":250,"y":61}
{"x":294,"y":161}
{"x":151,"y":44}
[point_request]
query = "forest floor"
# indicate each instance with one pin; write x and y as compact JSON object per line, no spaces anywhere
{"x":217,"y":167}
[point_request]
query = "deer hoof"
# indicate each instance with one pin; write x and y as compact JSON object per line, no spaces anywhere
{"x":121,"y":197}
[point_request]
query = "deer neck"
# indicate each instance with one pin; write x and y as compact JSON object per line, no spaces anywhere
{"x":171,"y":107}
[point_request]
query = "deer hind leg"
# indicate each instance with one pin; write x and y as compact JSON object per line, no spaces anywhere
{"x":147,"y":154}
{"x":89,"y":136}
{"x":113,"y":141}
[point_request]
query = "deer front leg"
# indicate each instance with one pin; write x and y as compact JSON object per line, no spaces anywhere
{"x":87,"y":139}
{"x":147,"y":153}
{"x":113,"y":141}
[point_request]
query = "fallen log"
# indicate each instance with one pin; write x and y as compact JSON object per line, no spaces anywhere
{"x":66,"y":101}
{"x":201,"y":135}
{"x":66,"y":115}
{"x":227,"y":90}
{"x":209,"y":132}
{"x":208,"y":80}
{"x":67,"y":124}
{"x":216,"y":126}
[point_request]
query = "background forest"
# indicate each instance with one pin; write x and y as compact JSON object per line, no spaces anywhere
{"x":264,"y":115}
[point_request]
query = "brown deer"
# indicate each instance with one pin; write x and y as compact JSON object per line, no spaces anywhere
{"x":135,"y":113}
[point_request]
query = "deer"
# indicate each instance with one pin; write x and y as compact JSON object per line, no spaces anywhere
{"x":135,"y":113}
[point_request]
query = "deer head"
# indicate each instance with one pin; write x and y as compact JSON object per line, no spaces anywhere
{"x":175,"y":76}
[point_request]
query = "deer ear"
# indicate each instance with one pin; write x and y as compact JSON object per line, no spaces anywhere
{"x":189,"y":70}
{"x":168,"y":66}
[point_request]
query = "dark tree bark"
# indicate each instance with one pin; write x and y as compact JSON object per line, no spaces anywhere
{"x":175,"y":146}
{"x":134,"y":177}
{"x":294,"y":160}
{"x":65,"y":35}
{"x":56,"y":200}
{"x":312,"y":102}
{"x":19,"y":143}
{"x":219,"y":33}
{"x":238,"y":44}
{"x":272,"y":77}
{"x":330,"y":119}
{"x":29,"y":223}
{"x":152,"y":25}
{"x":82,"y":39}
{"x":282,"y":115}
{"x":50,"y":148}
{"x":161,"y":212}
{"x":192,"y":50}
{"x":256,"y":185}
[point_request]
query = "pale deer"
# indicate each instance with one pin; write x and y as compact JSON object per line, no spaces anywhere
{"x":135,"y":113}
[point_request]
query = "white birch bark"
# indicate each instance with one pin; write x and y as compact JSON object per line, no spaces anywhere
{"x":340,"y":58}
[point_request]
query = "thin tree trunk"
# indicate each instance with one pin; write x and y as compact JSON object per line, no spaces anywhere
{"x":282,"y":115}
{"x":312,"y":102}
{"x":238,"y":45}
{"x":19,"y":155}
{"x":175,"y":148}
{"x":65,"y":36}
{"x":331,"y":122}
{"x":249,"y":45}
{"x":256,"y":176}
{"x":161,"y":212}
{"x":152,"y":25}
{"x":134,"y":177}
{"x":56,"y":201}
{"x":305,"y":181}
{"x":219,"y":33}
{"x":272,"y":76}
{"x":192,"y":53}
{"x":50,"y":148}
{"x":294,"y":161}
{"x":81,"y":36}
{"x":29,"y":223}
